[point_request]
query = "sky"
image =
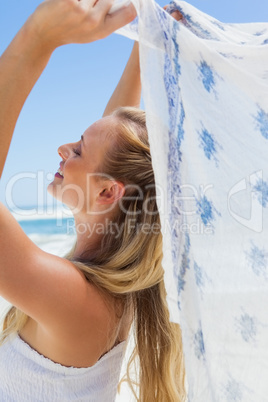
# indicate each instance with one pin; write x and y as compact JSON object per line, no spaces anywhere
{"x":72,"y":93}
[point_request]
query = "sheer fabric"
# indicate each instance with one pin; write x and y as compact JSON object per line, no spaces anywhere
{"x":205,"y":91}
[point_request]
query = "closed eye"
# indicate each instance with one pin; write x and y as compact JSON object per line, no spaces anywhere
{"x":76,"y":151}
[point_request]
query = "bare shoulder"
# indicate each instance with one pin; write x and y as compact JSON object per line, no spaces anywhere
{"x":51,"y":291}
{"x":82,"y":339}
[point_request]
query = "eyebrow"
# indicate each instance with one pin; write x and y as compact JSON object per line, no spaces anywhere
{"x":82,"y":141}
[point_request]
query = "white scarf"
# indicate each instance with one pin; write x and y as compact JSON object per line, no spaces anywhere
{"x":205,"y":90}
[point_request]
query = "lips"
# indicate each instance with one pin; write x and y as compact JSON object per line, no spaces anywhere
{"x":59,"y":172}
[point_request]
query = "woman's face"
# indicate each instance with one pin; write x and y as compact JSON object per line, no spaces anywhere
{"x":77,"y":182}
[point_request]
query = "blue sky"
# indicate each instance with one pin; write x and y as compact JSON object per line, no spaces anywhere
{"x":72,"y":94}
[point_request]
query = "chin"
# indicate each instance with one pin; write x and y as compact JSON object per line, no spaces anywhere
{"x":53,"y":189}
{"x":56,"y":191}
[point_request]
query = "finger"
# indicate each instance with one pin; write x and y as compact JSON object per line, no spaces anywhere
{"x":120,"y":18}
{"x":88,"y":4}
{"x":102,"y":6}
{"x":177,"y":15}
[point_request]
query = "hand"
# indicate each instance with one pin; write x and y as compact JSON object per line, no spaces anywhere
{"x":59,"y":22}
{"x":175,"y":14}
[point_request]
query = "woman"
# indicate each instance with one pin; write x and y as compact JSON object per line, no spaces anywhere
{"x":72,"y":315}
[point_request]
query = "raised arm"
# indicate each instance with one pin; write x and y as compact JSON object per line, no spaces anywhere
{"x":20,"y":67}
{"x":54,"y":23}
{"x":128,"y":90}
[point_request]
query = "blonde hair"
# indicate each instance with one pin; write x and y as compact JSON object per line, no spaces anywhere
{"x":129,"y":268}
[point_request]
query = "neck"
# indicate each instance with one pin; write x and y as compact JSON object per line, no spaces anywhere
{"x":90,"y":232}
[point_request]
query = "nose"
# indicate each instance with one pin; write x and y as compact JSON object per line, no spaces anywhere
{"x":64,"y":151}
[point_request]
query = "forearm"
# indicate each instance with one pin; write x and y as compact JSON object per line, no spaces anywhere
{"x":20,"y":67}
{"x":128,"y":90}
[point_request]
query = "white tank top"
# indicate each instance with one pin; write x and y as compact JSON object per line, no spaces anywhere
{"x":27,"y":376}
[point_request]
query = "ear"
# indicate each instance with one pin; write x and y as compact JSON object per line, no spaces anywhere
{"x":111,"y":192}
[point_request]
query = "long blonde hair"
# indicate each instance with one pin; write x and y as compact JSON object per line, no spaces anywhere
{"x":128,"y":266}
